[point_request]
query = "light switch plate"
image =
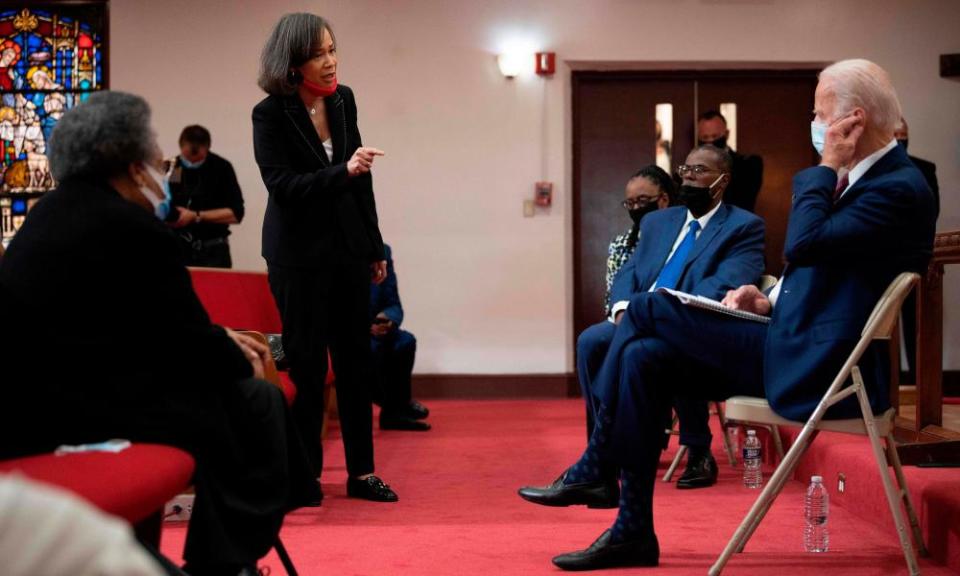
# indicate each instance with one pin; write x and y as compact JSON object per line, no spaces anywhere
{"x":528,"y":209}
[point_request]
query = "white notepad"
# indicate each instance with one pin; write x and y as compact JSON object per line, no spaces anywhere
{"x":711,"y":304}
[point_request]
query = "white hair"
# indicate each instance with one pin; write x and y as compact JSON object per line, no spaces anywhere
{"x":861,"y":83}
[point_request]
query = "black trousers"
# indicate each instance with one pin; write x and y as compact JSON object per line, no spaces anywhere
{"x":320,"y":308}
{"x":216,"y":255}
{"x":250,"y":469}
{"x":393,"y":358}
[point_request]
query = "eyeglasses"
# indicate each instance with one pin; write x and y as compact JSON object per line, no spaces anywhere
{"x":697,"y":169}
{"x":639,"y":202}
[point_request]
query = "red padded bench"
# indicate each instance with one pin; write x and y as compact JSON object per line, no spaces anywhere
{"x":243,"y":301}
{"x":133,"y":484}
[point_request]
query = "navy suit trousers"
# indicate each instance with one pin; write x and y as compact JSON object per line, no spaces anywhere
{"x":393,"y":359}
{"x":693,"y":413}
{"x":664,"y":349}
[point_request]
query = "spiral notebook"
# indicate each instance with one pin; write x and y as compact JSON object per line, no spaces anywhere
{"x":710,"y":304}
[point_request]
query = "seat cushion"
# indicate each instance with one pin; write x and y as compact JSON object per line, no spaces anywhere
{"x":131,"y":484}
{"x":753,"y":409}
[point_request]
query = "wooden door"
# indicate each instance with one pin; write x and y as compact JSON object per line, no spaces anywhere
{"x":773,"y":121}
{"x":614,"y":135}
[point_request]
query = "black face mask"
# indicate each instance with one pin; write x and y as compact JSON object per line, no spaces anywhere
{"x":904,"y":143}
{"x":697,"y":199}
{"x":637,"y":214}
{"x":720,"y":142}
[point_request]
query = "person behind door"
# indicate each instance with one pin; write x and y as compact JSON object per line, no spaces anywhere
{"x":207,"y":198}
{"x":321,"y":239}
{"x":908,"y":313}
{"x":747,"y":172}
{"x":394,"y":351}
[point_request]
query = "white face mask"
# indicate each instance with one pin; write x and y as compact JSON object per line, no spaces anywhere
{"x":161,"y":207}
{"x":818,"y":132}
{"x":818,"y":135}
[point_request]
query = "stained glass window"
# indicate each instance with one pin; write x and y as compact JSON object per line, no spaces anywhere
{"x":52,"y":56}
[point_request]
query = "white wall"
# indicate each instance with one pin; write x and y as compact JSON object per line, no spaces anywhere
{"x":486,"y":290}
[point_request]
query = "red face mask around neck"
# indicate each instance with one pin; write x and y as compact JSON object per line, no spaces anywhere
{"x":318,"y":90}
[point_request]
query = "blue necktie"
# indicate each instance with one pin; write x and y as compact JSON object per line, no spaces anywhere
{"x":670,"y":274}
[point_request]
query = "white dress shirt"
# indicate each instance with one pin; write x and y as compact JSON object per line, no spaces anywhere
{"x":684,"y":230}
{"x":855,"y":174}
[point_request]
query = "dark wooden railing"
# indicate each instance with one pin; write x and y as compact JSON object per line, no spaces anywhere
{"x":926,"y":440}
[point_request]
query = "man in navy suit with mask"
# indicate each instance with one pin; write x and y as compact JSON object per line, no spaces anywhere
{"x":861,"y":217}
{"x":706,"y":247}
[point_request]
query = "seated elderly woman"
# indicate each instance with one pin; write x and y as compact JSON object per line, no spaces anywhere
{"x":106,"y":339}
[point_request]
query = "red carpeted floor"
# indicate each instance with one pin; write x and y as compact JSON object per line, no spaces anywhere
{"x":459,"y":512}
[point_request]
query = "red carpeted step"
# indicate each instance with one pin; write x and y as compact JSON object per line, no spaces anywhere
{"x":935,"y":491}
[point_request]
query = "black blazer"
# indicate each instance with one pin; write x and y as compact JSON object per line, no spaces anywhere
{"x":314,"y":209}
{"x":929,"y":171}
{"x":745,"y":182}
{"x":110,"y":337}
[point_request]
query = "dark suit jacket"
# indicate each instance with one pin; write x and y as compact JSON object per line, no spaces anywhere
{"x":929,"y":171}
{"x":314,"y":209}
{"x":841,"y":257}
{"x":745,"y":181}
{"x":385,"y":297}
{"x":106,"y":335}
{"x":727,"y":254}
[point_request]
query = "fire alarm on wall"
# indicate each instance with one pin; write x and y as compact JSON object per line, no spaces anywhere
{"x":546,"y":63}
{"x":544,"y":193}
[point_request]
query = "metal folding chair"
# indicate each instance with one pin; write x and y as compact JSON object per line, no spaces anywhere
{"x":880,"y":326}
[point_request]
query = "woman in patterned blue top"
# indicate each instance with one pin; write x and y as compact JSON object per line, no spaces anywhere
{"x":649,"y":189}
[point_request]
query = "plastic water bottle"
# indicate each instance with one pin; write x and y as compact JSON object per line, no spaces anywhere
{"x":816,"y":509}
{"x":752,"y":475}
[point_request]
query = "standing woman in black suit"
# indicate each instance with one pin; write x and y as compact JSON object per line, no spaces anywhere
{"x":321,"y":240}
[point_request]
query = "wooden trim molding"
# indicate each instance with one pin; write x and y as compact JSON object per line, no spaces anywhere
{"x":493,"y":385}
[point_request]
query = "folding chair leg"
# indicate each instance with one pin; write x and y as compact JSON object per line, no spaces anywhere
{"x":284,"y":557}
{"x":763,"y":502}
{"x":881,"y":458}
{"x":726,"y":437}
{"x":894,"y":460}
{"x":781,"y":481}
{"x":777,"y":442}
{"x":681,"y":452}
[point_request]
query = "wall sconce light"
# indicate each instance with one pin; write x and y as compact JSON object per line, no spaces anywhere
{"x":511,"y":63}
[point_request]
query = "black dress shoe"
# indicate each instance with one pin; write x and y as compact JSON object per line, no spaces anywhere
{"x":370,"y":488}
{"x":417,"y":411}
{"x":392,"y":422}
{"x":604,"y":554}
{"x":309,"y":498}
{"x":600,"y":494}
{"x":699,"y":473}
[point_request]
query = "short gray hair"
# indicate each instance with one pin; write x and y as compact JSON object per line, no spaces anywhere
{"x":861,"y":83}
{"x":291,"y":43}
{"x":102,"y":136}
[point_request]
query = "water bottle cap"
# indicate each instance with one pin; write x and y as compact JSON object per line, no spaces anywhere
{"x":816,"y":478}
{"x":751,"y":432}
